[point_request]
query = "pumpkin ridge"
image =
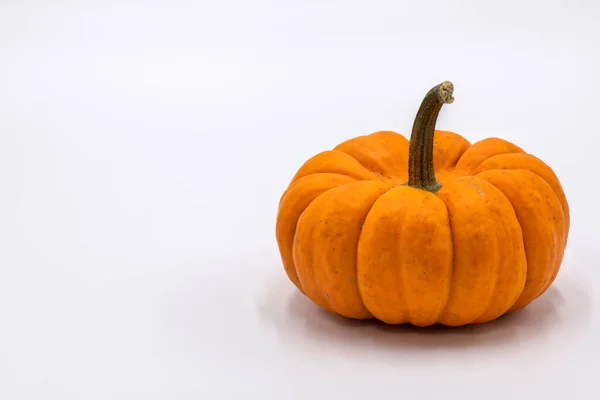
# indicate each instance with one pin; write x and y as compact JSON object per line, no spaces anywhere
{"x":361,"y":280}
{"x":473,"y":173}
{"x":381,"y":153}
{"x":482,"y":150}
{"x":285,"y":240}
{"x":442,"y":150}
{"x":305,"y":178}
{"x":498,"y":273}
{"x":358,"y":279}
{"x":548,"y":266}
{"x":452,"y":286}
{"x":404,"y":257}
{"x":452,"y":269}
{"x":453,"y":164}
{"x":355,"y":159}
{"x":325,"y":246}
{"x":496,"y":170}
{"x":533,"y":164}
{"x":333,"y":161}
{"x":340,"y":148}
{"x":412,"y":306}
{"x":487,"y":242}
{"x":397,"y":147}
{"x":524,"y":247}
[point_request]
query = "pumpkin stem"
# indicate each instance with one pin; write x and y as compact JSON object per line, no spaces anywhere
{"x":420,"y":157}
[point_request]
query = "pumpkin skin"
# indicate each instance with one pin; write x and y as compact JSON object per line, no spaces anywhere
{"x":466,"y":234}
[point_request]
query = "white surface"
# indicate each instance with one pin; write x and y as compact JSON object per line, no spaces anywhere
{"x":143,"y":151}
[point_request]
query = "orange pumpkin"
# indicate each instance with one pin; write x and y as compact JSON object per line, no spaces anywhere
{"x":435,"y":230}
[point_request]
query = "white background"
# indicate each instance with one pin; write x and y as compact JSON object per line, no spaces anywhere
{"x":143,"y":150}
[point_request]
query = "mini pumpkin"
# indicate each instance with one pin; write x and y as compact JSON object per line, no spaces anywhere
{"x":431,"y":230}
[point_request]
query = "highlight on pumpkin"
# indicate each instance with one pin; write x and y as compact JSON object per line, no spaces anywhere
{"x":431,"y":230}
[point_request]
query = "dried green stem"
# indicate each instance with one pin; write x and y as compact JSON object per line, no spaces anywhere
{"x":421,"y":174}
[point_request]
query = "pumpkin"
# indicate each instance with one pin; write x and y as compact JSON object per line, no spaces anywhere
{"x":435,"y":230}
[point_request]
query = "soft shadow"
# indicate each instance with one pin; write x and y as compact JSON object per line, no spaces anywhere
{"x":296,"y":318}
